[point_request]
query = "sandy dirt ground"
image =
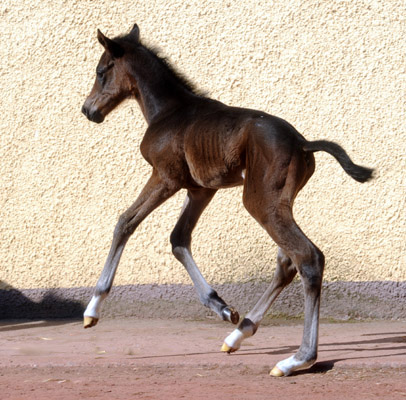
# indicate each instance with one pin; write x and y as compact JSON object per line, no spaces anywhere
{"x":175,"y":359}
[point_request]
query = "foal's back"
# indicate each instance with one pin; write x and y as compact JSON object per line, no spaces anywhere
{"x":212,"y":141}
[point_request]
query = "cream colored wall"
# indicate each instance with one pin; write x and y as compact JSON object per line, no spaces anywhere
{"x":335,"y":70}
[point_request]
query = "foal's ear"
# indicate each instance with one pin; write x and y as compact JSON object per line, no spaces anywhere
{"x":135,"y":33}
{"x":112,"y":47}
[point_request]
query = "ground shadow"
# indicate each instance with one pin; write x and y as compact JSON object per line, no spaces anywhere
{"x":321,"y":366}
{"x":325,"y":366}
{"x":364,"y":346}
{"x":20,"y":324}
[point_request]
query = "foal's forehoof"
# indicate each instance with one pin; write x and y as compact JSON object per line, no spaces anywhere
{"x":88,"y":322}
{"x":231,"y":315}
{"x":276,"y":372}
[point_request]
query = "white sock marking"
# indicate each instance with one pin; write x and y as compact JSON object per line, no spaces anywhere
{"x":235,"y":338}
{"x":93,"y":308}
{"x":290,"y":364}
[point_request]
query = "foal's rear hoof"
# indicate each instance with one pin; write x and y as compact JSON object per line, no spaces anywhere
{"x":227,"y":349}
{"x":231,"y":315}
{"x":88,"y":322}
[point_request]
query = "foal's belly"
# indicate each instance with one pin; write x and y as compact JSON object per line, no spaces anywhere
{"x":216,"y":176}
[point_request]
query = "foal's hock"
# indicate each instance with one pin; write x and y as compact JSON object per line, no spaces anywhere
{"x":193,"y":142}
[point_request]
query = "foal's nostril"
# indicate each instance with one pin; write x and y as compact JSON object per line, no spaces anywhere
{"x":85,"y":111}
{"x":93,"y":115}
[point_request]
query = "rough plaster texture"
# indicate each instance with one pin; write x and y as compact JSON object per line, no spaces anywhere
{"x":335,"y":70}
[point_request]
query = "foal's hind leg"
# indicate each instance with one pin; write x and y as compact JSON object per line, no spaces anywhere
{"x":284,"y":273}
{"x":195,"y":203}
{"x":270,"y":187}
{"x":309,"y":261}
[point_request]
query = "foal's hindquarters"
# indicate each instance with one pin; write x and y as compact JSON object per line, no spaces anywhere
{"x":276,"y":171}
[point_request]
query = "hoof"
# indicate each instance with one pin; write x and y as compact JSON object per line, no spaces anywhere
{"x":276,"y":372}
{"x":227,"y":349}
{"x":88,"y":322}
{"x":231,"y":315}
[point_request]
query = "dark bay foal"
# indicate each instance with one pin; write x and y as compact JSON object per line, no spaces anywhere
{"x":199,"y":144}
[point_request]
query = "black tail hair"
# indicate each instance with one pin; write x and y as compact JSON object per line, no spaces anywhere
{"x":357,"y":172}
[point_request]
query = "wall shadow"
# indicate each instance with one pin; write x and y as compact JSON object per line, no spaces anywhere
{"x":48,"y":304}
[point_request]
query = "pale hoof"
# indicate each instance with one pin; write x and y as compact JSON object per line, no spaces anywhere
{"x":88,"y":322}
{"x":225,"y":348}
{"x":276,"y":372}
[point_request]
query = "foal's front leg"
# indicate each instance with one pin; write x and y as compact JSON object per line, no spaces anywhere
{"x":154,"y":194}
{"x":181,"y":237}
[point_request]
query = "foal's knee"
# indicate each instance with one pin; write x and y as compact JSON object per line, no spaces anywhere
{"x":125,"y":227}
{"x":179,"y":243}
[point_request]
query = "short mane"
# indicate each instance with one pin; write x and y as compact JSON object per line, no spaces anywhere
{"x":163,"y":61}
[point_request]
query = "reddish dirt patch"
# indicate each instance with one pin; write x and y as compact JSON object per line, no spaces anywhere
{"x":197,"y":382}
{"x":150,"y":359}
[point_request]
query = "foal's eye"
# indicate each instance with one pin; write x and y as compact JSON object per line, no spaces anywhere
{"x":100,"y":73}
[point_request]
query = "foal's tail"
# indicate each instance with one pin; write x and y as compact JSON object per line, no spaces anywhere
{"x":360,"y":174}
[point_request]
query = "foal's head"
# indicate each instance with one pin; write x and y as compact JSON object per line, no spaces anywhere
{"x":113,"y":83}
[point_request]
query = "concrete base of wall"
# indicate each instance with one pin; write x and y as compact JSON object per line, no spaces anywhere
{"x":340,"y":300}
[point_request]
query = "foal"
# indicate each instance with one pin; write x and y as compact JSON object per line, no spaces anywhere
{"x":199,"y":144}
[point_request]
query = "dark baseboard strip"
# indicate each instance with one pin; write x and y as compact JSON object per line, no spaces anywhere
{"x":340,"y":300}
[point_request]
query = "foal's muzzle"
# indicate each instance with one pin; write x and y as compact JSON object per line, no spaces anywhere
{"x":93,"y":115}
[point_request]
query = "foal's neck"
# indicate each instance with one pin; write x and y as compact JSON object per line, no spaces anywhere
{"x":160,"y":89}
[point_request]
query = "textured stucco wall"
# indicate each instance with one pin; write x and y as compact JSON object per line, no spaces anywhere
{"x":335,"y":70}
